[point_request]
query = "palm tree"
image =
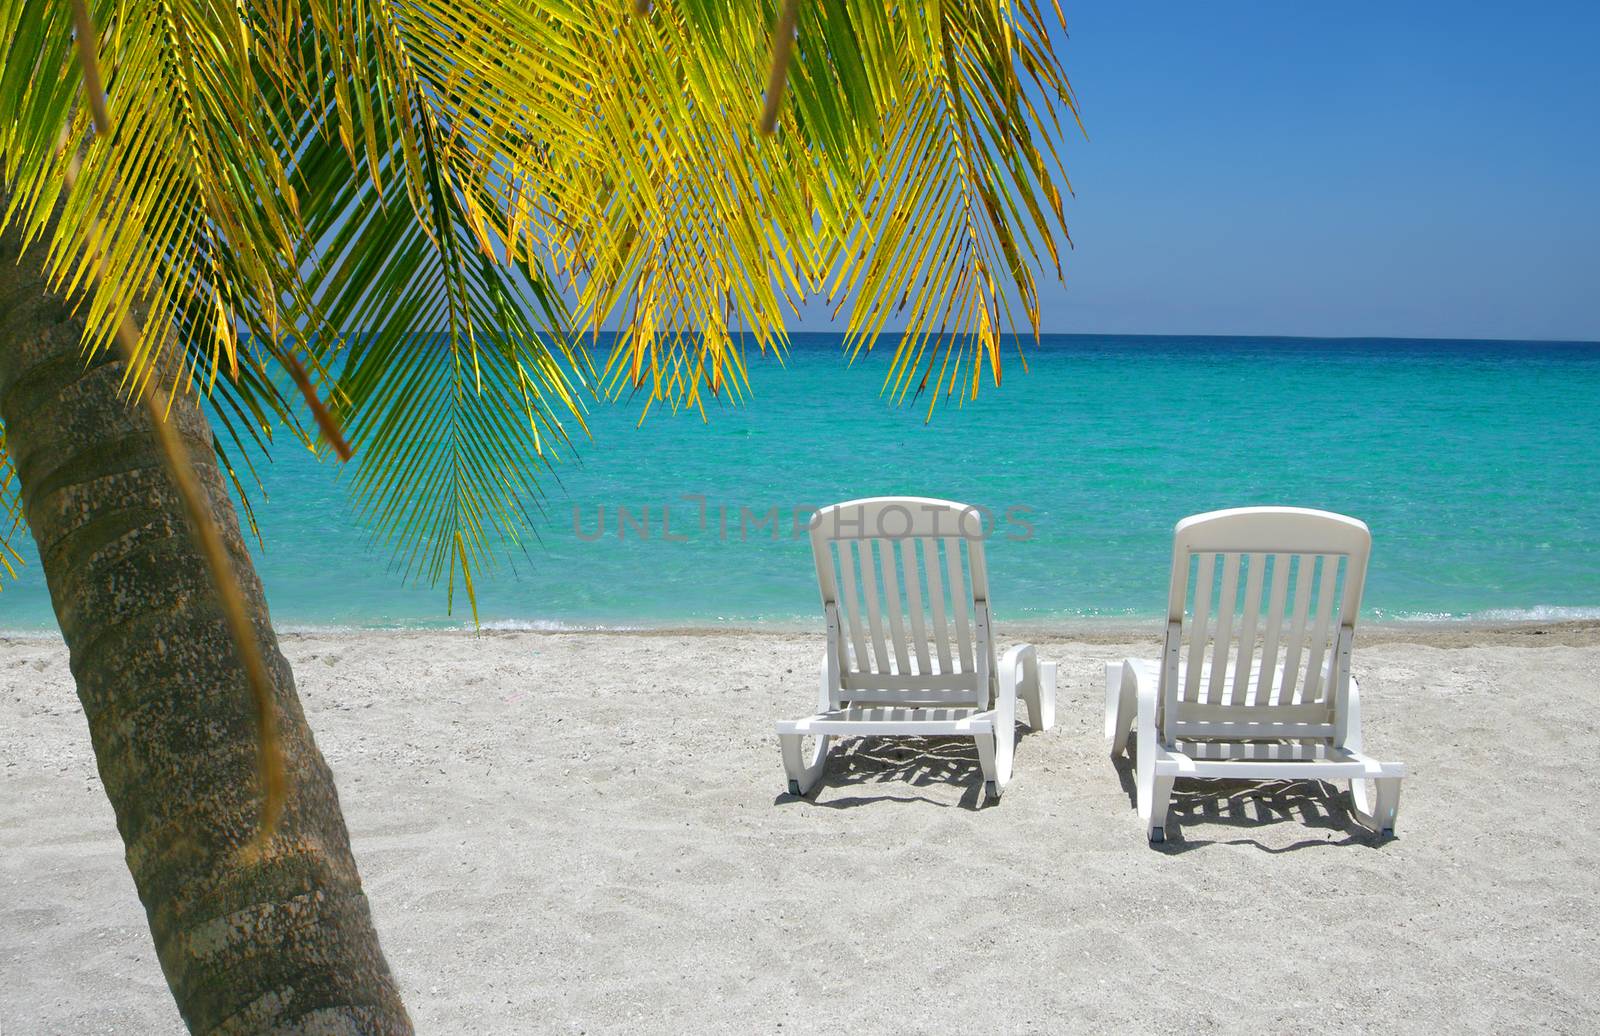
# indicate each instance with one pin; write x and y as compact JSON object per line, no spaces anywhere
{"x":404,"y":219}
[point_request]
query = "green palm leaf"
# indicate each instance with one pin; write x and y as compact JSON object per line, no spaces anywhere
{"x":428,"y":205}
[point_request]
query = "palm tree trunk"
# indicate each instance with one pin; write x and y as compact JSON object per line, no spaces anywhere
{"x":280,"y":942}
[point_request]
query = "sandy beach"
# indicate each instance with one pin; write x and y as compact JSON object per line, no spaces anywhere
{"x":587,"y":833}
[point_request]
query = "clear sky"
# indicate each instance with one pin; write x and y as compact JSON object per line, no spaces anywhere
{"x":1400,"y":168}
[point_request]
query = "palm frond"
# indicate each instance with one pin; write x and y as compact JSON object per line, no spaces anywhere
{"x":195,"y":202}
{"x":959,"y":201}
{"x":451,"y":426}
{"x":912,"y":179}
{"x":301,"y":173}
{"x":179,"y":178}
{"x":426,"y":204}
{"x":449,"y":360}
{"x":653,"y":196}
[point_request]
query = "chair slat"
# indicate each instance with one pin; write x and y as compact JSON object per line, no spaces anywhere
{"x":1319,"y":633}
{"x":1281,"y":564}
{"x":911,"y":687}
{"x":941,"y":631}
{"x":958,"y":601}
{"x":891,"y":598}
{"x":1272,"y":752}
{"x":913,"y":585}
{"x":847,"y":590}
{"x":1237,"y":689}
{"x":1304,"y":572}
{"x":1226,"y":604}
{"x":1198,"y":631}
{"x":871,"y":604}
{"x":1266,"y":714}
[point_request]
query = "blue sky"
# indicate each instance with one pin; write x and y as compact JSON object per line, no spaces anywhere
{"x":1368,"y":169}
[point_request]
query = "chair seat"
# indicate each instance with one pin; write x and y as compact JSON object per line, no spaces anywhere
{"x":1258,"y":751}
{"x":866,"y":720}
{"x":1277,"y":760}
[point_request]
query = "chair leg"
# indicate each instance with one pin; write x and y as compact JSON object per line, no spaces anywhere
{"x":995,"y":758}
{"x":1154,"y":790}
{"x":1379,"y":818}
{"x":1154,"y":814}
{"x":1388,"y":805}
{"x":803,"y":774}
{"x":1359,"y":799}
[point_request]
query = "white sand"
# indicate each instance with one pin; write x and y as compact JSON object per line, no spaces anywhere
{"x":586,"y":833}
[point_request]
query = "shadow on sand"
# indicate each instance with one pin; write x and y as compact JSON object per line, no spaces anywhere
{"x":1318,"y":807}
{"x":876,"y":767}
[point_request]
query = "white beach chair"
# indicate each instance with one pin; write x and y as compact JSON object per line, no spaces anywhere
{"x":1226,"y":711}
{"x":905,"y":597}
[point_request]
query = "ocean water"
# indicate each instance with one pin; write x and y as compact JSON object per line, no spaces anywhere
{"x":1474,"y":463}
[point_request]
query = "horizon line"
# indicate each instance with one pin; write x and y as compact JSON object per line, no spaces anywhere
{"x":1253,"y":334}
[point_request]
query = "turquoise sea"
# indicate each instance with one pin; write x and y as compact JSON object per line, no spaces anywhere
{"x":1473,"y":462}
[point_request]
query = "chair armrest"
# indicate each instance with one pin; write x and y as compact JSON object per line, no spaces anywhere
{"x":1022,"y":674}
{"x":824,"y":692}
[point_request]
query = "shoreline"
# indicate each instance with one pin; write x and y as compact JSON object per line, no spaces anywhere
{"x":1437,"y":633}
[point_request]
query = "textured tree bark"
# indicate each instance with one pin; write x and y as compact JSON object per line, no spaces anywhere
{"x":279,"y":943}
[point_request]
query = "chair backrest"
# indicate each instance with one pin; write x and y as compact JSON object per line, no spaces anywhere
{"x":906,"y":598}
{"x":1289,"y":576}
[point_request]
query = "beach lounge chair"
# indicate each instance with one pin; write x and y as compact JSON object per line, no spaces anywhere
{"x":910,"y":650}
{"x":1217,"y":704}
